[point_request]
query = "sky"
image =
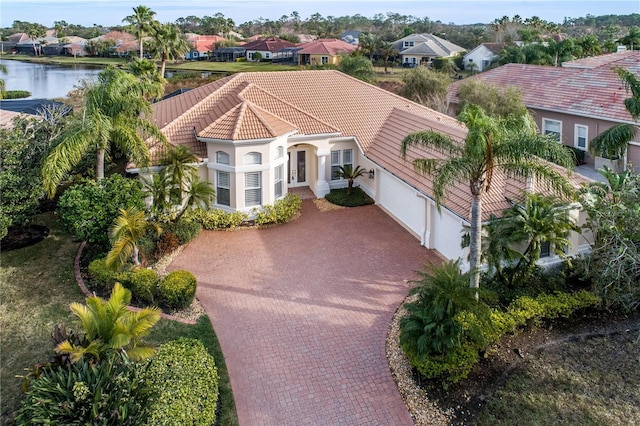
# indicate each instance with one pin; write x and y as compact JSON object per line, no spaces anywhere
{"x":111,"y":12}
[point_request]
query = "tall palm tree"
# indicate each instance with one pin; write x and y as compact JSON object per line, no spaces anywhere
{"x":632,"y":39}
{"x":180,"y":167}
{"x":169,"y":44}
{"x":368,"y":43}
{"x":612,"y":143}
{"x":142,"y":22}
{"x":127,"y":229}
{"x":110,"y":326}
{"x":114,"y":112}
{"x":387,"y":51}
{"x":492,"y":145}
{"x":151,"y":80}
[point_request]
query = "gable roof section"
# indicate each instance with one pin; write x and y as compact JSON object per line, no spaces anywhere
{"x":591,"y":92}
{"x":271,"y":44}
{"x":427,"y":45}
{"x":331,"y":47}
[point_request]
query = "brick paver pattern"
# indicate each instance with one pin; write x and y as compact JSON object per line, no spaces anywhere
{"x":302,"y":312}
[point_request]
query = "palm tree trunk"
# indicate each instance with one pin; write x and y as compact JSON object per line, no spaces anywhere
{"x":141,"y":53}
{"x":475,"y":240}
{"x":163,"y":65}
{"x":135,"y":255}
{"x":100,"y":164}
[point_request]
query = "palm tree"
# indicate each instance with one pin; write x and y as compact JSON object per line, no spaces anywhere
{"x":110,"y":326}
{"x":632,"y":39}
{"x":180,"y":167}
{"x":197,"y":194}
{"x":540,"y":219}
{"x":156,"y":186}
{"x":151,"y":81}
{"x":35,"y":32}
{"x":114,"y":113}
{"x":142,"y":22}
{"x":612,"y":143}
{"x":497,"y":247}
{"x":369,"y":43}
{"x":387,"y":51}
{"x":169,"y":44}
{"x":351,"y":174}
{"x":127,"y":229}
{"x":492,"y":145}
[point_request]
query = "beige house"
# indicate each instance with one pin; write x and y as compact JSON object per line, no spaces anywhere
{"x":258,"y":135}
{"x":575,"y":102}
{"x":324,"y":52}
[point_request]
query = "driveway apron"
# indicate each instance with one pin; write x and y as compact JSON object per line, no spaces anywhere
{"x":302,"y":310}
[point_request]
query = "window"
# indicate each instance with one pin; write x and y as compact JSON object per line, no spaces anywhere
{"x":280,"y":152}
{"x":277,"y":179}
{"x":340,"y":158}
{"x":267,"y":55}
{"x":581,"y":137}
{"x":552,"y":127}
{"x":222,"y":157}
{"x":223,"y":193}
{"x":252,"y":189}
{"x":408,"y":44}
{"x":253,"y":158}
{"x":324,"y":60}
{"x":545,"y":249}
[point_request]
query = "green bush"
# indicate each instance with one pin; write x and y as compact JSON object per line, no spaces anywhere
{"x":101,"y":276}
{"x":89,"y":208}
{"x":216,"y":218}
{"x":15,"y":94}
{"x":142,"y":282}
{"x":578,"y":155}
{"x":178,"y":289}
{"x":449,"y":368}
{"x":184,"y":230}
{"x":280,"y":212}
{"x":185,"y":380}
{"x":357,"y":197}
{"x":110,"y":392}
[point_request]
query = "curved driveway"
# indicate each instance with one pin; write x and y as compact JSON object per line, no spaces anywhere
{"x":302,"y":311}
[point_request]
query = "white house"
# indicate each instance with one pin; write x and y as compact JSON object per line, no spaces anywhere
{"x":422,"y":49}
{"x":482,"y":56}
{"x":259,"y":134}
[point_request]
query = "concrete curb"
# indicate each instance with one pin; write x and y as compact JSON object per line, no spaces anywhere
{"x":85,"y":290}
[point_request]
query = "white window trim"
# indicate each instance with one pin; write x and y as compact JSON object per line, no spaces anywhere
{"x":544,"y":126}
{"x":218,"y":153}
{"x":577,"y":135}
{"x":219,"y":186}
{"x":247,"y":188}
{"x":278,"y":182}
{"x":340,"y":162}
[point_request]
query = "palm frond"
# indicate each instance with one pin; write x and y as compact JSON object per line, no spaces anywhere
{"x":612,"y":143}
{"x":430,"y":139}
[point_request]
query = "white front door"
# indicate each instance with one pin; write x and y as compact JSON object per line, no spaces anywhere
{"x":297,"y":168}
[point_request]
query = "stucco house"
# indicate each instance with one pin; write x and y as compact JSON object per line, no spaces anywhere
{"x":575,"y":102}
{"x":324,"y":51}
{"x":267,"y":47}
{"x":258,"y":135}
{"x":482,"y":56}
{"x":422,"y":49}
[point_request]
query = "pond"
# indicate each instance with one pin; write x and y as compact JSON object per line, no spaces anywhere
{"x":46,"y":81}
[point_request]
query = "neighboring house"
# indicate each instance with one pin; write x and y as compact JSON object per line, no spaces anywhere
{"x":324,"y":51}
{"x":575,"y":102}
{"x":306,"y":38}
{"x":203,"y":44}
{"x":124,"y":42}
{"x":229,"y":54}
{"x":257,"y":135}
{"x":288,"y":55}
{"x":10,"y":44}
{"x":483,"y":56}
{"x":422,"y":49}
{"x":267,"y":47}
{"x":351,"y":36}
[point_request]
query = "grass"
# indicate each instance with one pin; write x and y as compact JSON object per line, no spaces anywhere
{"x":37,"y":285}
{"x":591,"y":382}
{"x":341,"y":197}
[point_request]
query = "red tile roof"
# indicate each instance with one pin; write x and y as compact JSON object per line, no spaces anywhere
{"x":204,"y":43}
{"x":587,"y":87}
{"x":331,"y":47}
{"x":271,"y":44}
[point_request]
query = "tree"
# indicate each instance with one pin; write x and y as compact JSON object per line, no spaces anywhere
{"x":127,"y":229}
{"x":358,"y":67}
{"x":351,"y":174}
{"x":494,"y":100}
{"x":612,"y":143}
{"x":387,"y":51}
{"x":35,"y":32}
{"x":168,"y":44}
{"x":427,"y":87}
{"x":492,"y":145}
{"x":151,"y":81}
{"x":369,"y":44}
{"x":632,"y":39}
{"x":198,"y":194}
{"x":141,"y":22}
{"x":114,"y":112}
{"x":3,"y":86}
{"x":110,"y":326}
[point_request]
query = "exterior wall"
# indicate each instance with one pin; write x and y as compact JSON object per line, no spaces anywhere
{"x":447,"y":231}
{"x":316,"y":59}
{"x":633,"y":157}
{"x":415,"y":59}
{"x":477,"y":57}
{"x":265,"y":54}
{"x":400,"y":201}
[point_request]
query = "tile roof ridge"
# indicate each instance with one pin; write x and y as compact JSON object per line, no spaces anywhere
{"x":238,"y":124}
{"x":259,"y":111}
{"x":308,"y":114}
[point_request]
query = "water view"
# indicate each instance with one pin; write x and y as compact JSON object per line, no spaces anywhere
{"x":46,"y":81}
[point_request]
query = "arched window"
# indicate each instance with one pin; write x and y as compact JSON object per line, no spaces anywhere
{"x":222,"y":157}
{"x":253,"y":158}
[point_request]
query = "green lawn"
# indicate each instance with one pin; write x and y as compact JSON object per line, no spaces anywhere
{"x":36,"y":287}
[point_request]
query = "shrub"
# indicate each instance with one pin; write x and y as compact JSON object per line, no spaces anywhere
{"x":15,"y":94}
{"x":87,"y":393}
{"x":178,"y":289}
{"x":281,"y":211}
{"x":142,"y":282}
{"x":184,"y":230}
{"x":577,"y":154}
{"x":357,"y":197}
{"x":449,"y":368}
{"x":89,"y":208}
{"x":185,"y":380}
{"x":216,"y":218}
{"x":101,"y":276}
{"x":168,"y":244}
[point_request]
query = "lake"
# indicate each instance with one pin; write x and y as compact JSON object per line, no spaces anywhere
{"x":46,"y":81}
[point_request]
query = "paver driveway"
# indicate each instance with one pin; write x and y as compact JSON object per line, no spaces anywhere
{"x":302,"y":311}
